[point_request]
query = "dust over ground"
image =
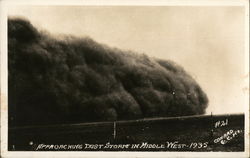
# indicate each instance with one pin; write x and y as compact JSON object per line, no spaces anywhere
{"x":69,"y":79}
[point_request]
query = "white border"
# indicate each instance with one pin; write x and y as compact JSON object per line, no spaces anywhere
{"x":131,"y":2}
{"x":4,"y":89}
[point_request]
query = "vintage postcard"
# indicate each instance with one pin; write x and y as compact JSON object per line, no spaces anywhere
{"x":125,"y":78}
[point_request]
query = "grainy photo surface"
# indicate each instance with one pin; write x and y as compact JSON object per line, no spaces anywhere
{"x":135,"y":78}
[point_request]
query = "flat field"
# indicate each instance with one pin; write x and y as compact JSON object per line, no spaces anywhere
{"x":190,"y":133}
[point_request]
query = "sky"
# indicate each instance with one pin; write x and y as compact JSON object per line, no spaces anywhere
{"x":207,"y":41}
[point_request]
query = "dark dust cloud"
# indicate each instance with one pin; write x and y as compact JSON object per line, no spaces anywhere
{"x":70,"y":80}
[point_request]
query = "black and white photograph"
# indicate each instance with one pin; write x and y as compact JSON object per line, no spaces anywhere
{"x":136,"y":79}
